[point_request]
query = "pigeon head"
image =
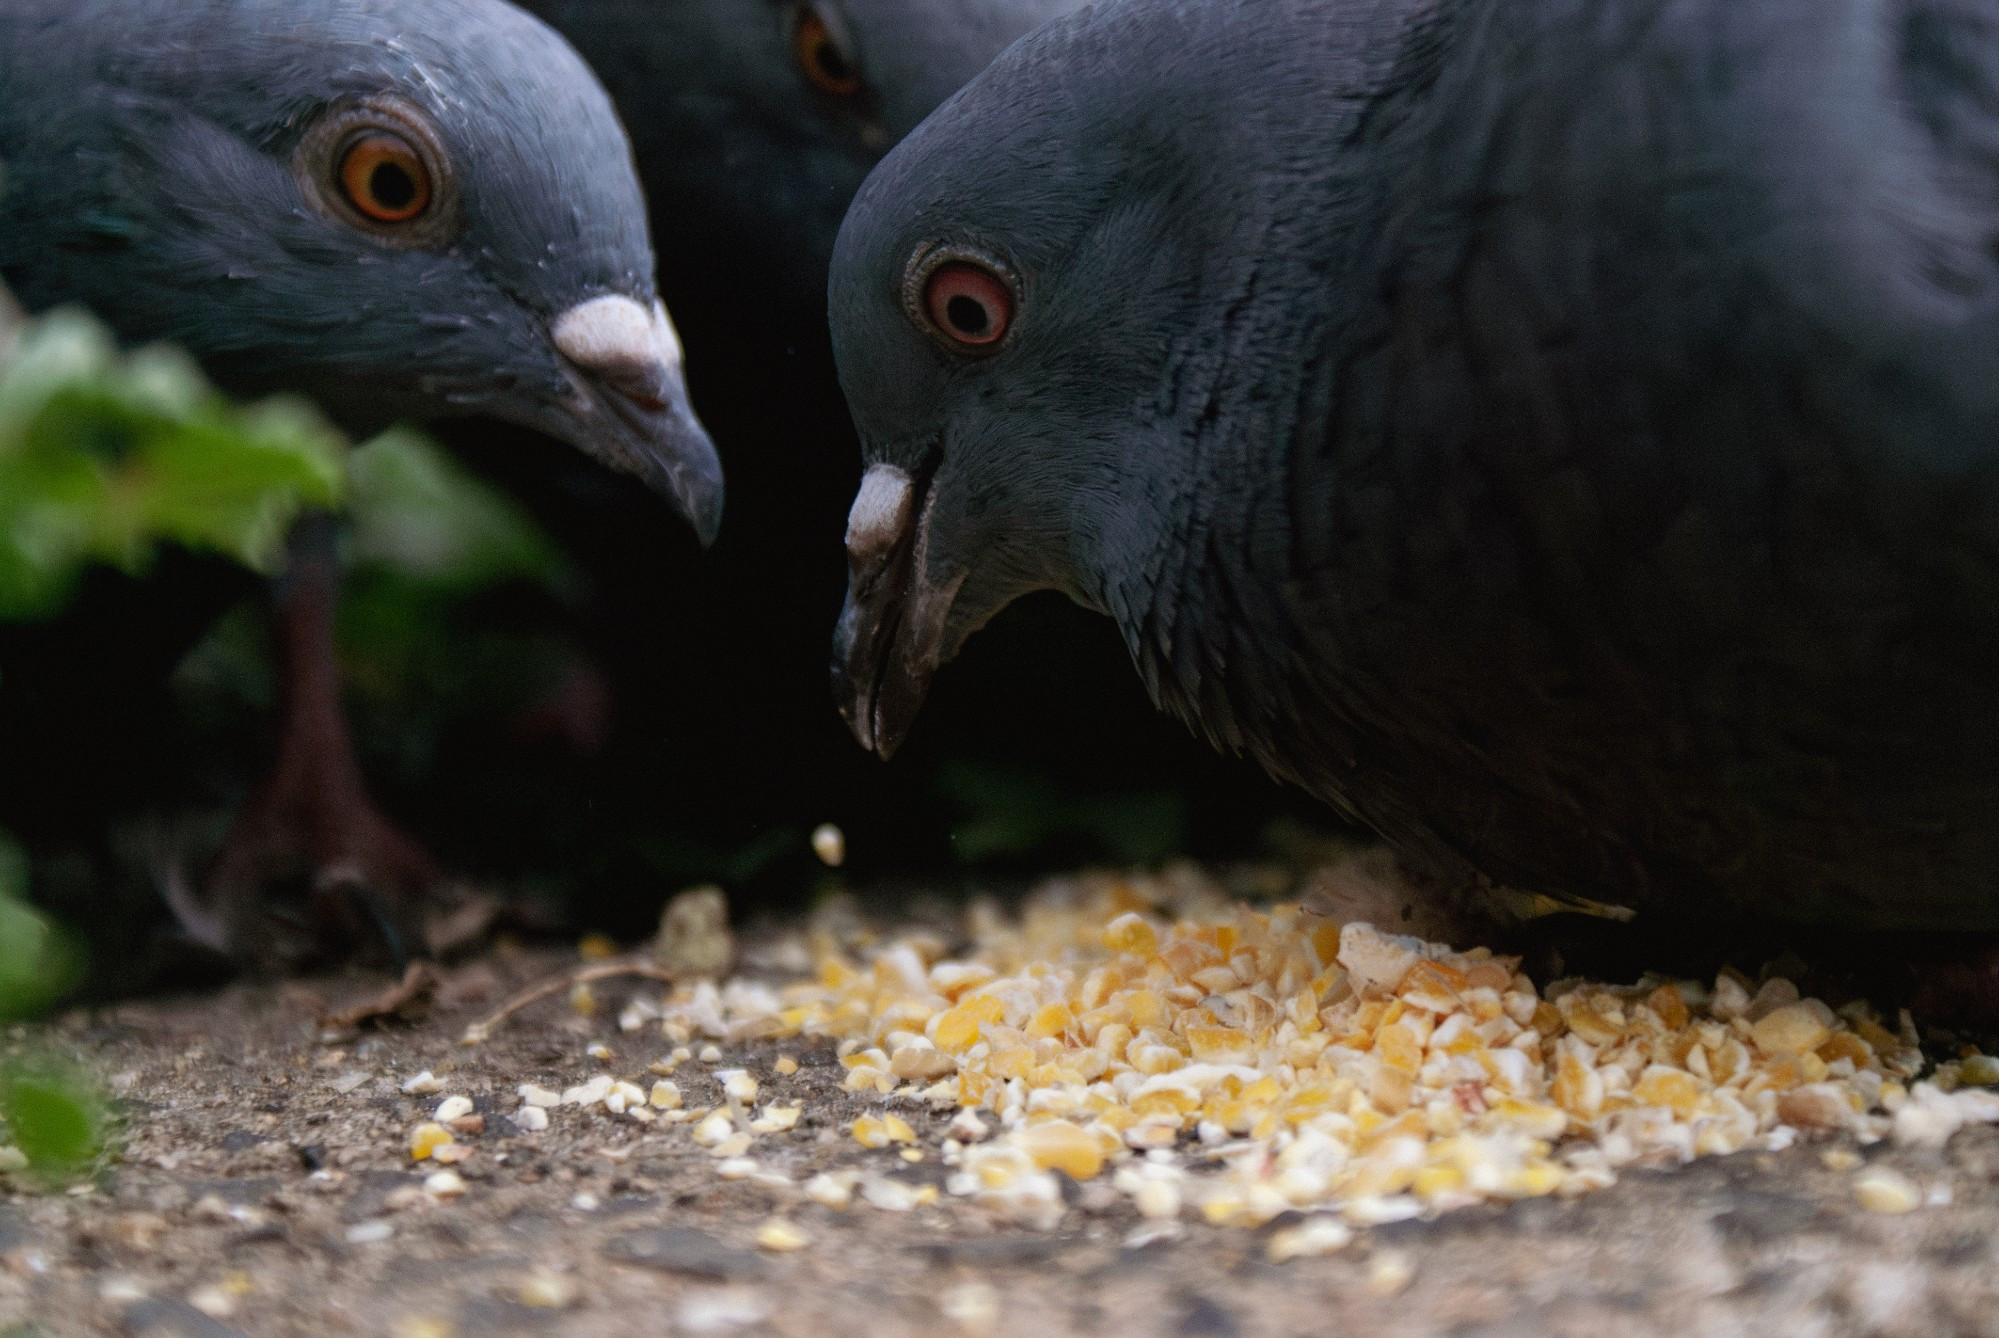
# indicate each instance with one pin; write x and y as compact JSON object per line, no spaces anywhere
{"x":756,"y":120}
{"x":1047,"y":316}
{"x":405,"y":208}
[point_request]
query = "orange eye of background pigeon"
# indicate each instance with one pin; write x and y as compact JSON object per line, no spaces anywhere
{"x":821,"y":58}
{"x":967,"y":304}
{"x":384,"y":178}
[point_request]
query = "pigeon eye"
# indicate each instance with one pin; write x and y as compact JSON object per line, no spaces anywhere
{"x":967,"y":304}
{"x":825,"y":65}
{"x":384,"y":178}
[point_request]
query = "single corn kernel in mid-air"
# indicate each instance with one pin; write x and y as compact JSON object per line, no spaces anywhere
{"x":829,"y":843}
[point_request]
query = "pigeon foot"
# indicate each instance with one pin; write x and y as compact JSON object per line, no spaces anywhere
{"x":311,"y":867}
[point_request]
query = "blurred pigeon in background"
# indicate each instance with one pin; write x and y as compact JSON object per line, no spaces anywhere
{"x":1559,"y":435}
{"x":404,"y":208}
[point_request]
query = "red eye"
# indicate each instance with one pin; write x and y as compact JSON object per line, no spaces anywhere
{"x":967,"y":304}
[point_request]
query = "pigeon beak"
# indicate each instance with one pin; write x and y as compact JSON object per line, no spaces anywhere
{"x":629,"y":406}
{"x":891,"y":632}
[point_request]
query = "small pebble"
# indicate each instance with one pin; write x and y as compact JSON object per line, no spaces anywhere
{"x":1389,"y":1272}
{"x":585,"y":1202}
{"x":547,"y":1291}
{"x":424,"y":1326}
{"x":213,"y":1301}
{"x":444,"y":1184}
{"x":451,"y":1154}
{"x":973,"y":1306}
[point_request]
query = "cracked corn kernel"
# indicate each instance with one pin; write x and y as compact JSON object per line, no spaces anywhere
{"x":781,"y":1236}
{"x":665,"y":1095}
{"x":1793,"y":1028}
{"x":427,"y":1138}
{"x":878,"y":1131}
{"x":1313,"y":1236}
{"x":1131,"y":933}
{"x":785,"y":1066}
{"x":776,"y":1119}
{"x":1061,"y":1146}
{"x":1882,"y":1189}
{"x":715,"y":1130}
{"x":1330,"y":1069}
{"x":452,"y":1108}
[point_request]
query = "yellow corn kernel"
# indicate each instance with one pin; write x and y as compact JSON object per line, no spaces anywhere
{"x":1052,"y":1020}
{"x":1131,"y":933}
{"x":427,"y":1139}
{"x":878,"y":1131}
{"x":957,"y":1027}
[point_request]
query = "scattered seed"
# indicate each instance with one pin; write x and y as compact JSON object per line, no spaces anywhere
{"x":426,"y":1139}
{"x":829,"y":843}
{"x":1883,"y":1189}
{"x":781,"y":1236}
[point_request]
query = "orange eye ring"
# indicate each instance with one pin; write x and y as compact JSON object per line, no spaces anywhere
{"x":825,"y":65}
{"x":967,"y":304}
{"x":384,"y":177}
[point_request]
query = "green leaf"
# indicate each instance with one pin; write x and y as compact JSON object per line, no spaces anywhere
{"x":56,"y":1115}
{"x":104,"y":455}
{"x":416,"y":511}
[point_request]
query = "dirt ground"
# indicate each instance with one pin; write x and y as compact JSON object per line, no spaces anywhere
{"x":266,"y":1187}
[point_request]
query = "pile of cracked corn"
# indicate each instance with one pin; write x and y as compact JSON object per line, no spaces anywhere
{"x":1239,"y":1064}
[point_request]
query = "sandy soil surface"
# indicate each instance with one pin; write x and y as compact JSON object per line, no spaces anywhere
{"x":266,"y":1187}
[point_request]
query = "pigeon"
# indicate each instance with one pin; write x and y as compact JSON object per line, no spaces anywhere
{"x":406,"y":209}
{"x":755,"y":121}
{"x":1559,"y":436}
